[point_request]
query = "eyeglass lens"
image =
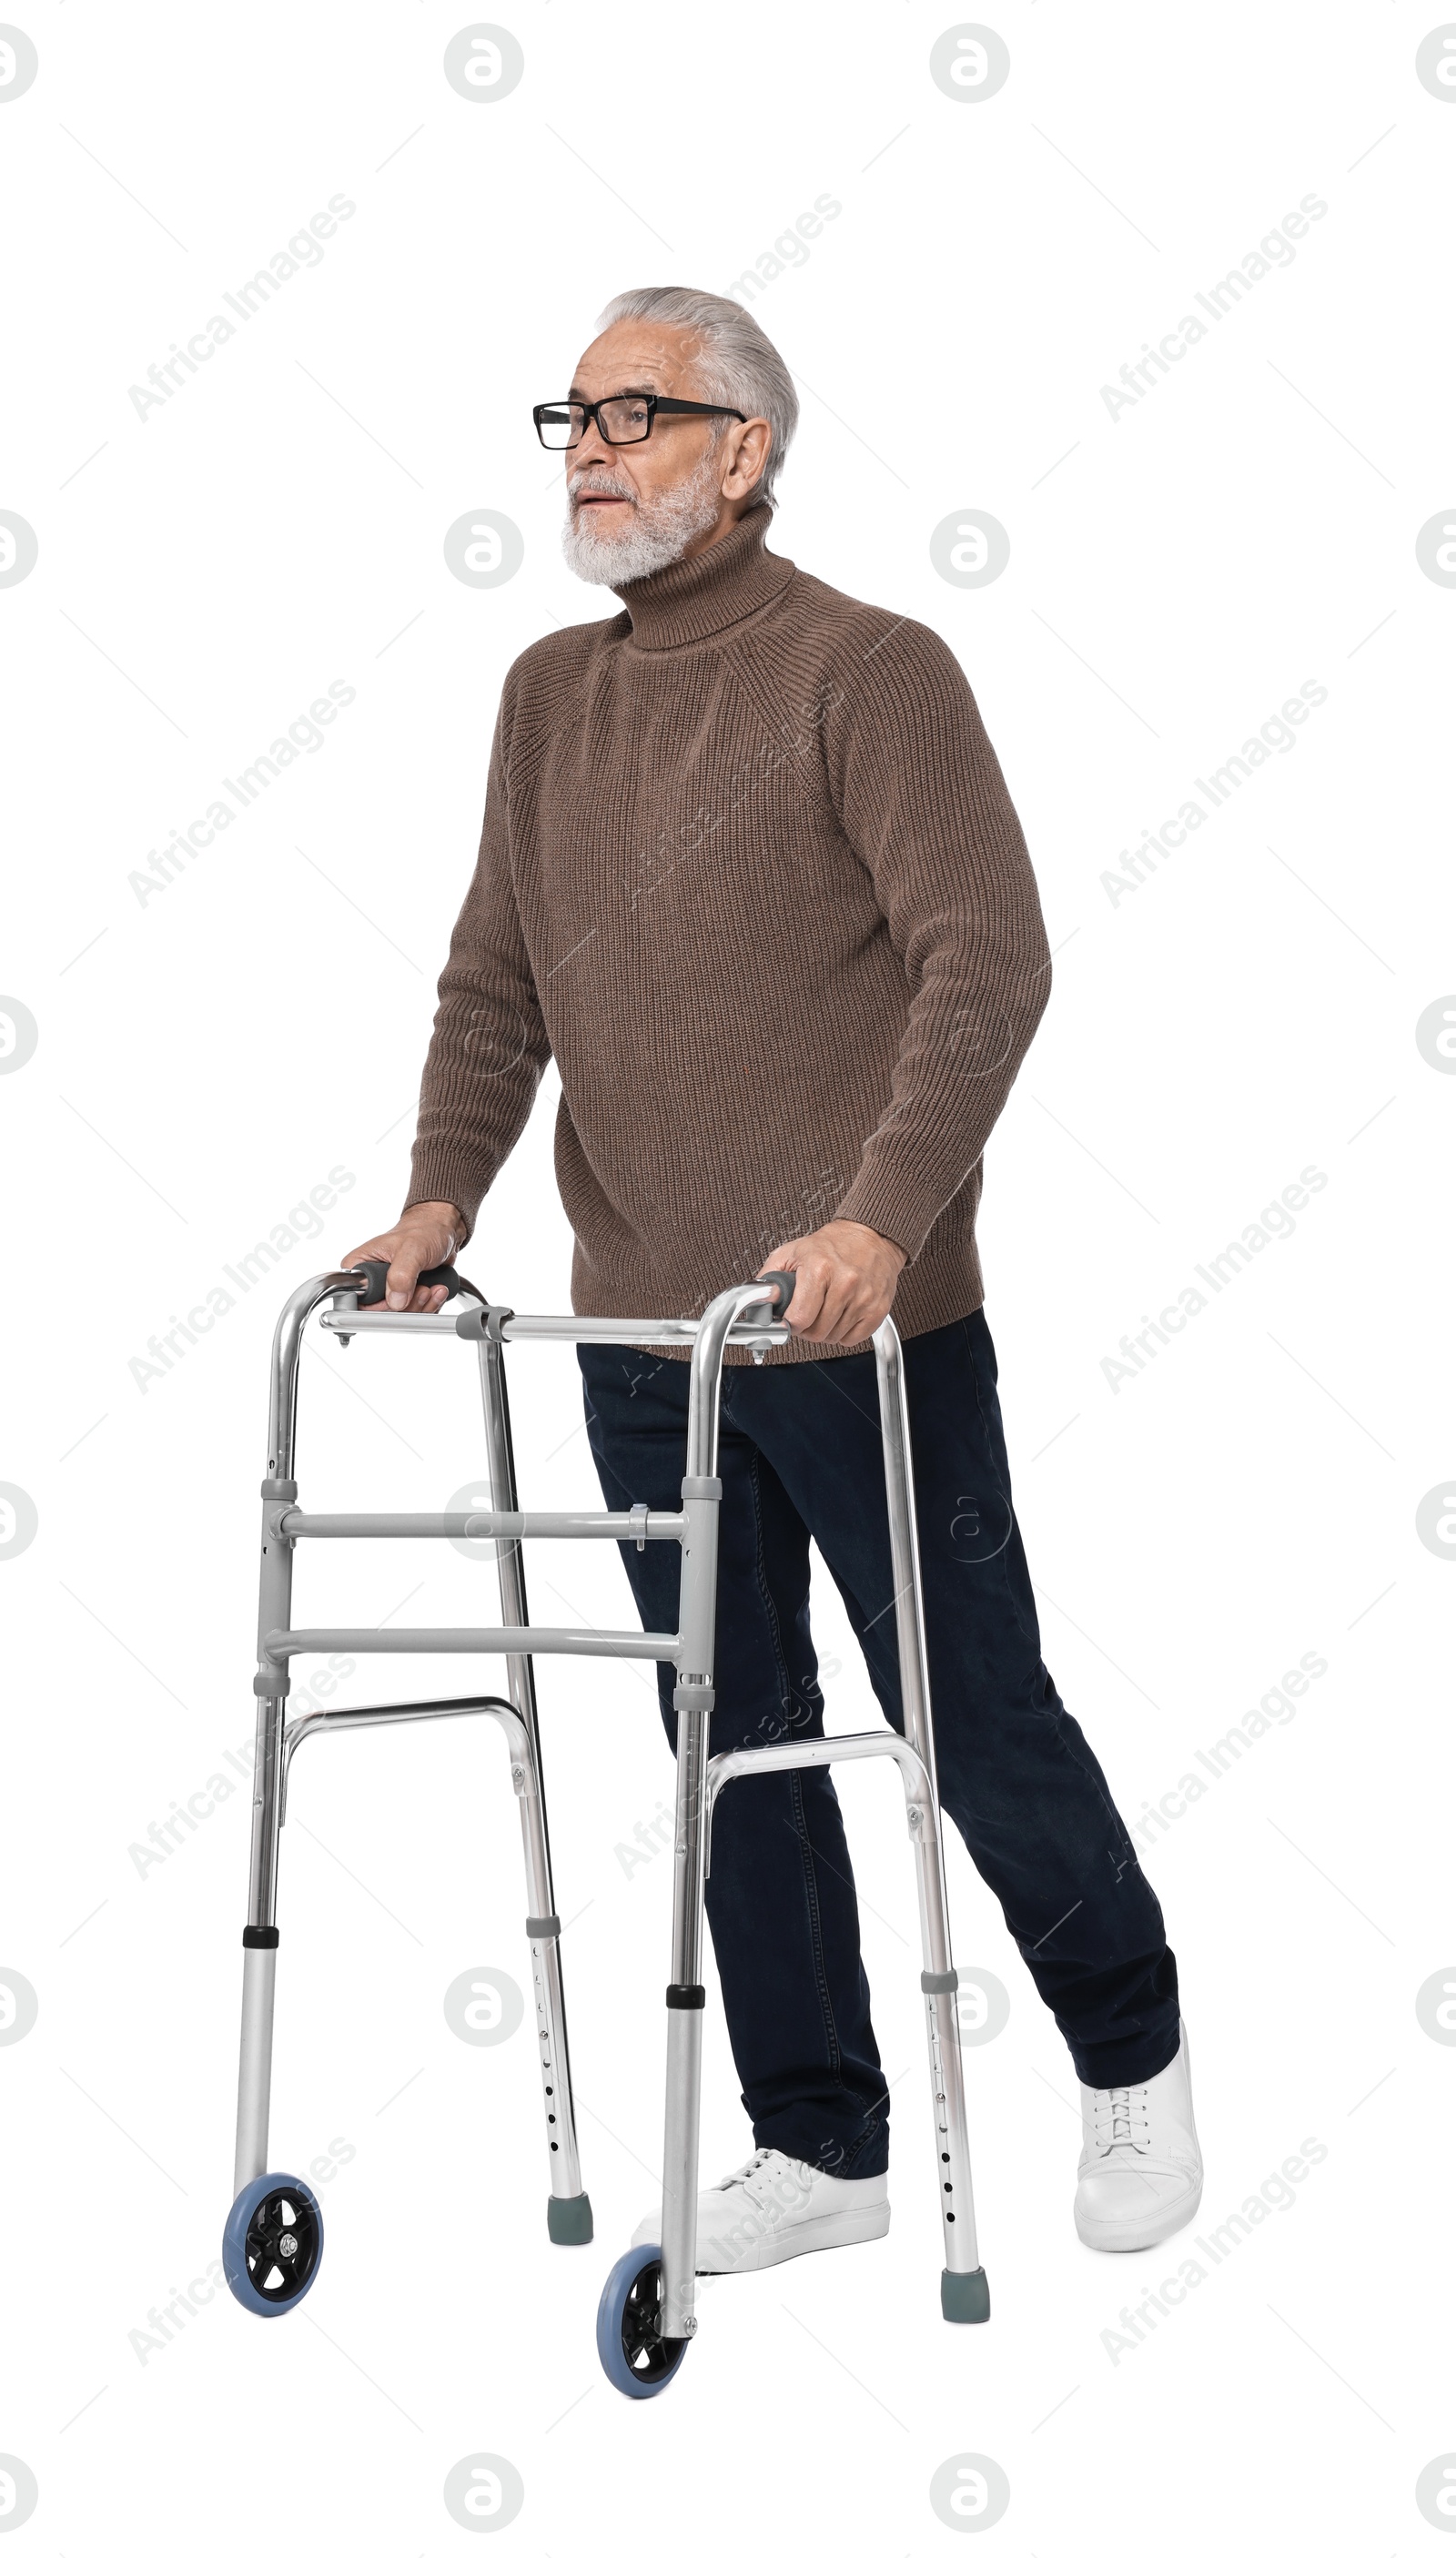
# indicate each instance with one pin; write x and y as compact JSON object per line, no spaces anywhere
{"x":619,"y":421}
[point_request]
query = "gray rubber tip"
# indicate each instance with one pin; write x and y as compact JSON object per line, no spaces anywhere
{"x":569,"y":2223}
{"x":965,"y":2299}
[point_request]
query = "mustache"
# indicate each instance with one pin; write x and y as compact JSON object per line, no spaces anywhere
{"x":602,"y":483}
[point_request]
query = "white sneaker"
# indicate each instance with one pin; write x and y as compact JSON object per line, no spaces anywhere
{"x":775,"y":2207}
{"x":1140,"y":2175}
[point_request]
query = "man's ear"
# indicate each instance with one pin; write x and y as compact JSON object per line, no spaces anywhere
{"x":749,"y":459}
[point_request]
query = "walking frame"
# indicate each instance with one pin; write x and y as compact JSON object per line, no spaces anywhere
{"x":274,"y":2236}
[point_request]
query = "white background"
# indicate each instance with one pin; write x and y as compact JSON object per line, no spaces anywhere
{"x":206,"y":1057}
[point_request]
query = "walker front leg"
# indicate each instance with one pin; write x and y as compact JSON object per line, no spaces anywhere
{"x":275,"y":1608}
{"x":684,"y":2023}
{"x":273,"y":2237}
{"x":646,"y":2312}
{"x":260,"y":1951}
{"x":692,"y":1697}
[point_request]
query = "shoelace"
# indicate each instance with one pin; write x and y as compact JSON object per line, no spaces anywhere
{"x":747,"y":2173}
{"x":1120,"y":2118}
{"x":741,"y":2175}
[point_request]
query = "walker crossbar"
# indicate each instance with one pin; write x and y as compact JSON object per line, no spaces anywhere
{"x":607,"y":1642}
{"x":781,"y":1755}
{"x":654,"y":1334}
{"x":336,"y":1718}
{"x":628,"y":1527}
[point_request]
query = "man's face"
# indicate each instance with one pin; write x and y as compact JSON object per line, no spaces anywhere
{"x":634,"y":507}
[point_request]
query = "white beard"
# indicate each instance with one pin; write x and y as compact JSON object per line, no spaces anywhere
{"x":659,"y":532}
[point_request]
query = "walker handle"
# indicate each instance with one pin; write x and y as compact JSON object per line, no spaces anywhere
{"x":372,"y":1291}
{"x":784,"y":1281}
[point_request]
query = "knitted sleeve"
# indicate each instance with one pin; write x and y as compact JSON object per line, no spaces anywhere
{"x":921,"y":796}
{"x":489,"y":1046}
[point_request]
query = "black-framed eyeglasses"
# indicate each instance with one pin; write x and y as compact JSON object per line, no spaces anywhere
{"x":625,"y":418}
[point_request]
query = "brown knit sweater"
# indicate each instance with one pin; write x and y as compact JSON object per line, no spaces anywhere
{"x":750,"y":872}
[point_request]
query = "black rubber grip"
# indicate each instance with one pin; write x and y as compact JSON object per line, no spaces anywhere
{"x":690,"y":1994}
{"x":373,"y":1292}
{"x":785,"y":1280}
{"x":261,"y":1939}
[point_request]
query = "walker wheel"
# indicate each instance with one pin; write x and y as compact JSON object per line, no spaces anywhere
{"x":636,"y":2357}
{"x":274,"y":2244}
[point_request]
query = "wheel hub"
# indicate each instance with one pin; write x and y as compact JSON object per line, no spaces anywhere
{"x":649,"y":2354}
{"x":283,"y":2243}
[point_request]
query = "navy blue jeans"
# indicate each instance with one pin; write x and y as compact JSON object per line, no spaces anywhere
{"x":800,"y":1457}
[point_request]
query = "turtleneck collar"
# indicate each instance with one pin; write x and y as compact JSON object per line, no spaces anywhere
{"x":691,"y":599}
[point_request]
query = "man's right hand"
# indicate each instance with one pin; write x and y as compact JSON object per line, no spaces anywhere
{"x":425,"y":1236}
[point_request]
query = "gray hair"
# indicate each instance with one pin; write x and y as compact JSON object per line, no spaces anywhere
{"x":733,"y":361}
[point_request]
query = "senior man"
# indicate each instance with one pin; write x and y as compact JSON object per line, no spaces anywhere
{"x":750,"y":872}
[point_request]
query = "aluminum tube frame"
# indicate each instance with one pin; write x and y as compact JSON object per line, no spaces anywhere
{"x":551,"y":2032}
{"x":683,"y":2104}
{"x":699,"y":1780}
{"x":550,"y":2007}
{"x":699,"y":1787}
{"x":943,"y":2027}
{"x":701,"y":1501}
{"x":273,"y":1753}
{"x":624,"y":1527}
{"x":260,"y":1962}
{"x":957,"y":2203}
{"x":435,"y":1709}
{"x":652,"y":1332}
{"x":275,"y":1603}
{"x":605,"y":1642}
{"x":275,"y":1586}
{"x":254,"y":2064}
{"x":780,"y":1755}
{"x":287,"y":1339}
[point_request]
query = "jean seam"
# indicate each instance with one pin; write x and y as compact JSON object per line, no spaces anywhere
{"x":871,"y":2130}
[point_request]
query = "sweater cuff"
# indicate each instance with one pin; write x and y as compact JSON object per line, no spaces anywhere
{"x":437,"y":1178}
{"x":892,"y":1207}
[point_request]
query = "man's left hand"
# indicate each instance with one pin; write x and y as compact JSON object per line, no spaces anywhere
{"x":845,"y":1277}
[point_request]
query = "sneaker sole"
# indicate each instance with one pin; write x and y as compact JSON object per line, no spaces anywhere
{"x":1125,"y":2237}
{"x":838,"y":2229}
